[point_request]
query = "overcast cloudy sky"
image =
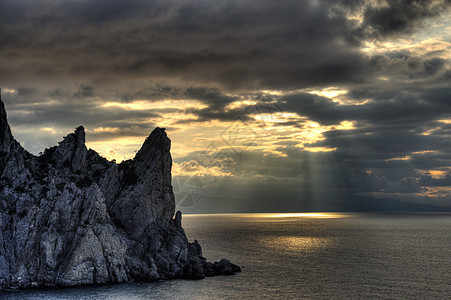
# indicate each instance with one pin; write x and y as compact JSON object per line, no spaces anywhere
{"x":270,"y":105}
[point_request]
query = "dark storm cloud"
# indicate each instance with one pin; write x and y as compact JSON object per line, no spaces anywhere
{"x":432,"y":160}
{"x":429,"y":181}
{"x":150,"y":91}
{"x":441,"y":96}
{"x":72,"y":114}
{"x":216,"y":109}
{"x":84,"y":90}
{"x":67,"y":109}
{"x":206,"y":114}
{"x":239,"y":44}
{"x":399,"y":16}
{"x":393,"y":107}
{"x":381,"y":144}
{"x":212,"y":97}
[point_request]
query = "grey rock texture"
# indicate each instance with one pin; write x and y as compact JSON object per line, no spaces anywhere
{"x":70,"y":217}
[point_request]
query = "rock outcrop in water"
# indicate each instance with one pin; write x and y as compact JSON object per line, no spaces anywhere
{"x":70,"y":217}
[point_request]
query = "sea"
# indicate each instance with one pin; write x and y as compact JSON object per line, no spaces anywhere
{"x":303,"y":256}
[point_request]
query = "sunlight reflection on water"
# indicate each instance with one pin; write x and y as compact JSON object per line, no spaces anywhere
{"x":322,"y":215}
{"x":296,"y":244}
{"x":306,"y":215}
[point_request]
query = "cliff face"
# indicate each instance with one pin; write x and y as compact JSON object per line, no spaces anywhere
{"x":70,"y":217}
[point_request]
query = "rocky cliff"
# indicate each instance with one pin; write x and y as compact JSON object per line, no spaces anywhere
{"x":70,"y":217}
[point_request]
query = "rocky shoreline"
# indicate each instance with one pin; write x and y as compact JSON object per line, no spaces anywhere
{"x":70,"y":217}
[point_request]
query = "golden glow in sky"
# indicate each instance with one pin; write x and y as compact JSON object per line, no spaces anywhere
{"x":150,"y":105}
{"x":189,"y":135}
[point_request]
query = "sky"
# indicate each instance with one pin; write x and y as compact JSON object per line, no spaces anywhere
{"x":270,"y":105}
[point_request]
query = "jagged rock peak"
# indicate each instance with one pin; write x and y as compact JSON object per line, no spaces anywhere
{"x":2,"y":108}
{"x":158,"y":139}
{"x":6,"y":137}
{"x":153,"y":162}
{"x":80,"y":132}
{"x":72,"y":150}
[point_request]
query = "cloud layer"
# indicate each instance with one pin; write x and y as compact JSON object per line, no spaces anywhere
{"x":301,"y":99}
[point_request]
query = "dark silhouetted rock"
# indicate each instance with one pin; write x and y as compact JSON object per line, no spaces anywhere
{"x":195,"y":249}
{"x":235,"y":268}
{"x":209,"y":269}
{"x":70,"y":217}
{"x":195,"y":268}
{"x":224,"y":267}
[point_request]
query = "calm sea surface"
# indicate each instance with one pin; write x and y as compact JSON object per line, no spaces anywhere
{"x":388,"y":256}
